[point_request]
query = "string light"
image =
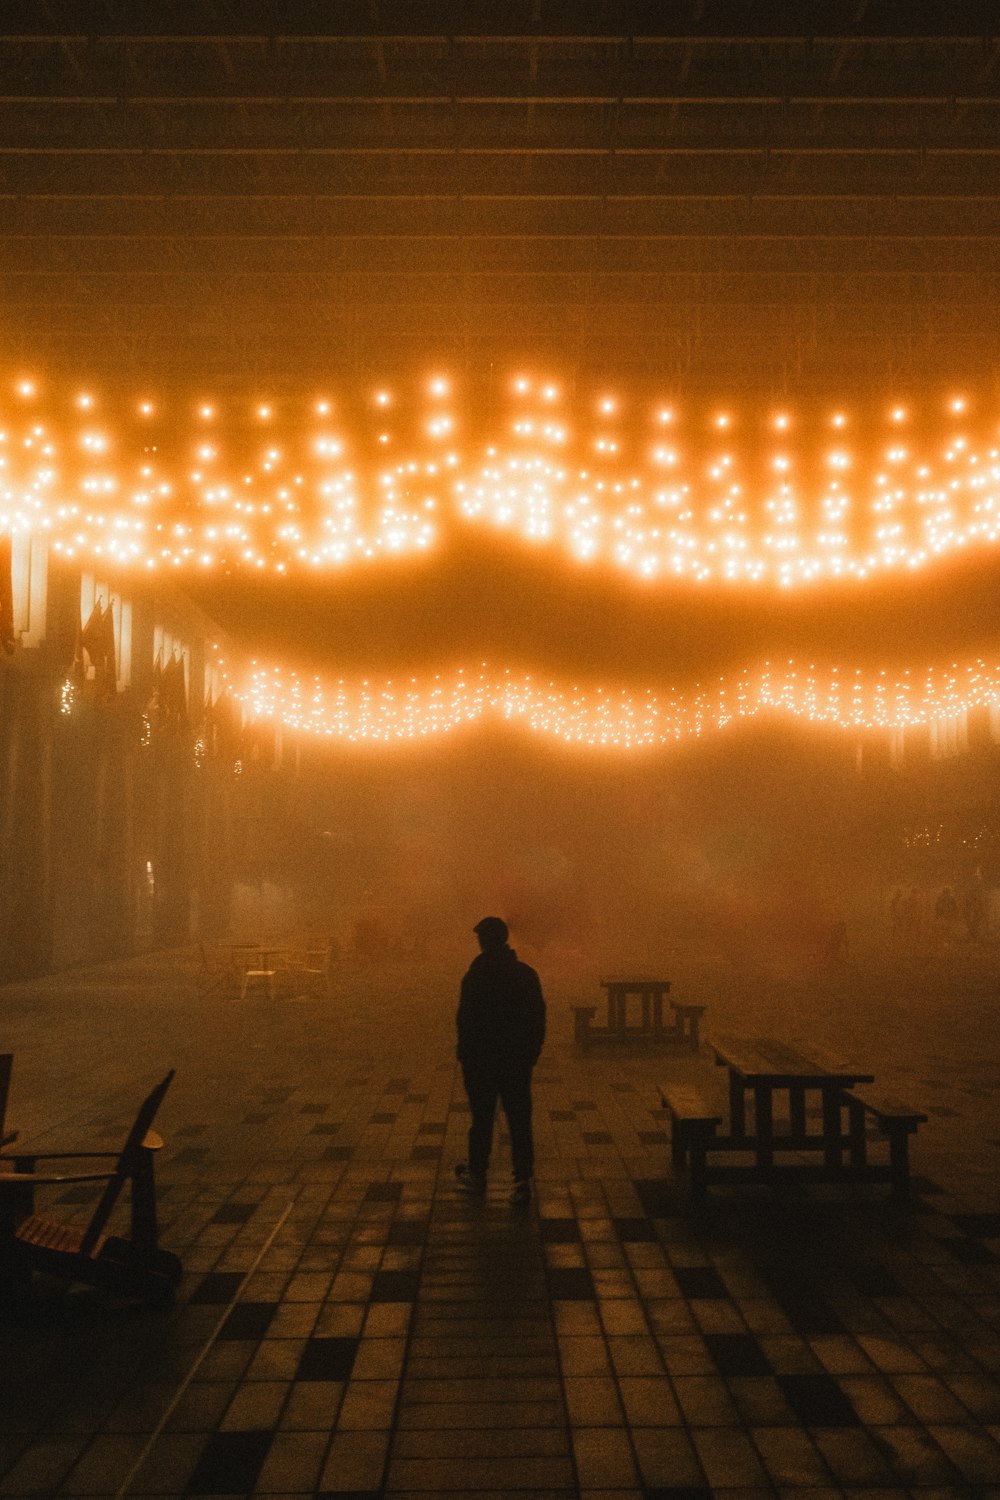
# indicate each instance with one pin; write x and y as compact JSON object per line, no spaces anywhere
{"x":782,"y":506}
{"x":615,"y":719}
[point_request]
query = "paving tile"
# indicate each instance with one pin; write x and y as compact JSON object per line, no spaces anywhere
{"x":728,"y":1457}
{"x":293,"y":1463}
{"x":248,"y":1320}
{"x":229,"y":1463}
{"x":482,"y":1442}
{"x":570,"y":1284}
{"x":476,"y":1475}
{"x":312,"y":1406}
{"x":592,"y":1401}
{"x":256,"y":1406}
{"x":737,"y":1354}
{"x":818,"y":1401}
{"x":852,"y":1457}
{"x":327,"y":1359}
{"x":217,"y":1288}
{"x":667,"y":1459}
{"x":355,"y":1461}
{"x":705,"y":1401}
{"x":200,"y":1408}
{"x":974,"y":1454}
{"x":700,"y":1281}
{"x":467,"y":1415}
{"x":603,"y":1457}
{"x":790,"y":1457}
{"x":631,"y":1355}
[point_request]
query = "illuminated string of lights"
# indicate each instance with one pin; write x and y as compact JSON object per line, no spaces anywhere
{"x":395,"y":710}
{"x":654,"y":490}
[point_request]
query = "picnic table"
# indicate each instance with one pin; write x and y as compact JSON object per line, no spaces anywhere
{"x":763,"y":1067}
{"x":681,"y":1027}
{"x":649,"y":992}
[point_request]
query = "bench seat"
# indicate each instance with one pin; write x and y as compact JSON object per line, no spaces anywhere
{"x":693,"y":1123}
{"x":687,"y":1021}
{"x":894,"y":1119}
{"x":683,"y":1032}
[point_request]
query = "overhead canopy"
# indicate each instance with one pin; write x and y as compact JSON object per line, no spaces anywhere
{"x":711,"y":189}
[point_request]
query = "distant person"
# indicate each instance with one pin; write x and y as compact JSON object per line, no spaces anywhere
{"x":501,"y":1028}
{"x":946,"y":907}
{"x":946,"y":915}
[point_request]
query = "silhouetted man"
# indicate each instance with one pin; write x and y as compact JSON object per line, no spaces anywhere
{"x":501,"y":1028}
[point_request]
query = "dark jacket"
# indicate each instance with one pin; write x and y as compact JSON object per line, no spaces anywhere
{"x":501,"y":1013}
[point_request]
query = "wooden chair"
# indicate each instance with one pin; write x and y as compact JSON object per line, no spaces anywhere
{"x":212,"y":975}
{"x":132,"y":1267}
{"x":309,"y":969}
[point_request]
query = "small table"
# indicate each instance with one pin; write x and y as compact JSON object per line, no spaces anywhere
{"x":650,"y":993}
{"x":763,"y":1066}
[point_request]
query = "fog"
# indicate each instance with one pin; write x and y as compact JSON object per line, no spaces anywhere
{"x":757,"y":840}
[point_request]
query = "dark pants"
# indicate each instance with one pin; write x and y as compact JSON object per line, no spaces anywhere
{"x":510,"y":1082}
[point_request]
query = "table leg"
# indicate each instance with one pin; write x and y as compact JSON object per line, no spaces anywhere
{"x":832,"y":1141}
{"x":645,"y":1011}
{"x":763,"y":1125}
{"x":658,"y":1012}
{"x":737,"y":1106}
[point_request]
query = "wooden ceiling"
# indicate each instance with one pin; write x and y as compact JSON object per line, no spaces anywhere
{"x":707,"y":190}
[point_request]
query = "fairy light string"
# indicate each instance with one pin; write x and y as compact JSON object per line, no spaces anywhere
{"x":659,"y":491}
{"x":413,"y":709}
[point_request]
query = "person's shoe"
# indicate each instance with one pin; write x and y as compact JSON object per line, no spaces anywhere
{"x":521,"y":1192}
{"x":470,"y":1182}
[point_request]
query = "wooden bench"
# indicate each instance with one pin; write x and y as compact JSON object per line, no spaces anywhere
{"x":693,"y":1124}
{"x":896,"y":1121}
{"x":687,"y":1022}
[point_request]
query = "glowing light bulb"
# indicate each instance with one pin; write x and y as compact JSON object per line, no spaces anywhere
{"x":26,"y":388}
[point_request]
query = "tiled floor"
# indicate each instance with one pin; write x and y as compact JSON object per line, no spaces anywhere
{"x":349,"y":1324}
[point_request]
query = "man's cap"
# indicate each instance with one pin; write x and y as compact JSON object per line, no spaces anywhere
{"x":492,"y":930}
